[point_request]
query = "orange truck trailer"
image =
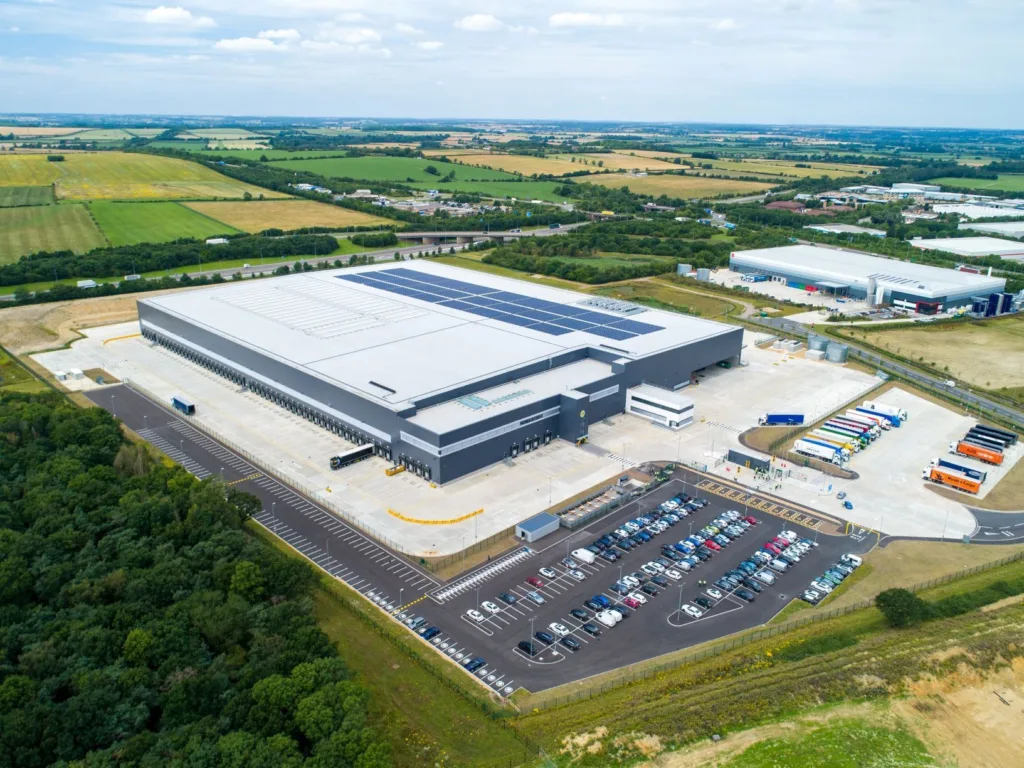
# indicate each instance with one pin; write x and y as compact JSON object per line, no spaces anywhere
{"x":988,"y":455}
{"x":952,"y":478}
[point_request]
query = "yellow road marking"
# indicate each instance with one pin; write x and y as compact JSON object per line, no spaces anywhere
{"x":418,"y":521}
{"x":118,"y":338}
{"x":401,"y":608}
{"x":243,"y":479}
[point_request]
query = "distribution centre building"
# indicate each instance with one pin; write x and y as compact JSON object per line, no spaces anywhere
{"x":973,"y":247}
{"x":440,"y":369}
{"x":919,"y":287}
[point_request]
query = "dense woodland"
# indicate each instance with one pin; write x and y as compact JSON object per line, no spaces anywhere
{"x":140,"y":624}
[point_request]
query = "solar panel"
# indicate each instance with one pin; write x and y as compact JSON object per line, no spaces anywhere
{"x":612,"y":333}
{"x":460,"y":305}
{"x":552,"y":330}
{"x":517,"y":320}
{"x":634,"y":326}
{"x":573,"y":323}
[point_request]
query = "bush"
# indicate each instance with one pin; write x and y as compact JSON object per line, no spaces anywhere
{"x":901,"y":607}
{"x":815,"y":645}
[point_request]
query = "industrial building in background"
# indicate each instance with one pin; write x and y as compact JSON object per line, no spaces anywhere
{"x":974,"y":247}
{"x":918,"y":287}
{"x":437,"y":369}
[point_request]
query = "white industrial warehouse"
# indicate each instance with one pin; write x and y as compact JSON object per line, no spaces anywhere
{"x":973,"y":247}
{"x":920,"y":287}
{"x":1004,"y":228}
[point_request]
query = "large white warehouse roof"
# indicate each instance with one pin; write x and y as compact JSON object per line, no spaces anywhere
{"x":972,"y":246}
{"x":856,"y":268}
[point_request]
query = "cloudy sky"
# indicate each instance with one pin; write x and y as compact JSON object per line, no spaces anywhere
{"x":866,"y":62}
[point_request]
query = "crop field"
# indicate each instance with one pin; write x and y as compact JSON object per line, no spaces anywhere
{"x":1006,"y":182}
{"x":145,"y":133}
{"x":986,"y":353}
{"x":130,"y":223}
{"x":102,"y":134}
{"x":784,"y":168}
{"x":230,"y":144}
{"x":397,"y":169}
{"x":618,"y":161}
{"x":123,"y":176}
{"x":33,"y":131}
{"x":218,"y":133}
{"x":272,"y":155}
{"x":257,"y":215}
{"x":520,"y":190}
{"x":676,"y":186}
{"x":12,"y":197}
{"x":46,"y":228}
{"x":27,"y":171}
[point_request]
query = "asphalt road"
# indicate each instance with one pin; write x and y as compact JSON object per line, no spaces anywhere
{"x":401,"y":587}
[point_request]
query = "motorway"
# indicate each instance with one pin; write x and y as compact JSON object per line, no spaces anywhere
{"x":402,"y":588}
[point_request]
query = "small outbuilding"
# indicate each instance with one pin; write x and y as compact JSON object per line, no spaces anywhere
{"x":537,"y":527}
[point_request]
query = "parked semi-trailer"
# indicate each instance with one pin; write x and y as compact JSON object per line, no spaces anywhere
{"x":1001,"y":439}
{"x":977,"y":474}
{"x":972,"y":437}
{"x":952,"y":478}
{"x":894,"y":421}
{"x":843,"y":435}
{"x":890,"y":410}
{"x":997,"y":432}
{"x":835,"y":440}
{"x":849,"y":431}
{"x":863,"y":421}
{"x":818,"y":451}
{"x":874,"y":418}
{"x":988,"y":455}
{"x":871,"y":432}
{"x":844,"y":453}
{"x":780,"y":419}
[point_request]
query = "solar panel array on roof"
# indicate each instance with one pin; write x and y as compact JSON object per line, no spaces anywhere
{"x":513,"y":308}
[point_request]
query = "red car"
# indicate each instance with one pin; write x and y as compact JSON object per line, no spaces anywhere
{"x":780,"y":542}
{"x":772,"y":548}
{"x":533,"y":581}
{"x":631,"y":602}
{"x":751,"y":519}
{"x":713,"y":546}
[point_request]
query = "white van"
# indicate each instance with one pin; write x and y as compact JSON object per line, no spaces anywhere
{"x":853,"y":560}
{"x":778,"y":565}
{"x":584,"y":555}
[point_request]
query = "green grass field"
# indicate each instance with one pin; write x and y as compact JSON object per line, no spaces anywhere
{"x":27,"y":171}
{"x":46,"y":228}
{"x":272,"y":155}
{"x":1007,"y":182}
{"x":12,"y":197}
{"x":397,"y":169}
{"x":130,"y":223}
{"x":521,"y":190}
{"x":101,"y":134}
{"x":603,"y":260}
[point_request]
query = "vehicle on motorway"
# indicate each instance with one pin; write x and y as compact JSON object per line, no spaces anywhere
{"x":620,"y":609}
{"x":692,"y":610}
{"x":631,"y":603}
{"x":475,"y":615}
{"x":545,"y":637}
{"x":528,"y":648}
{"x":704,"y":602}
{"x":591,"y":629}
{"x":536,"y":597}
{"x":649,"y":589}
{"x":547,"y":573}
{"x":714,"y":593}
{"x":578,"y":575}
{"x":661,"y":581}
{"x":579,"y":613}
{"x":571,"y":643}
{"x":430,"y":633}
{"x":745,"y":594}
{"x":475,"y":664}
{"x":490,"y":607}
{"x":508,"y":598}
{"x":559,"y":629}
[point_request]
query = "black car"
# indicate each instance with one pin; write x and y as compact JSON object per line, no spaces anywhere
{"x":545,"y":637}
{"x":637,"y":539}
{"x":661,"y":581}
{"x":610,"y":556}
{"x":620,"y":588}
{"x":621,"y":609}
{"x":672,"y":555}
{"x":580,"y":614}
{"x":642,"y":577}
{"x":430,"y":633}
{"x":744,"y":594}
{"x":724,"y":585}
{"x":571,"y":643}
{"x":625,"y":545}
{"x":600,"y":545}
{"x":703,"y":554}
{"x":592,"y":629}
{"x":704,"y":602}
{"x":528,"y":648}
{"x":507,"y":598}
{"x":591,"y":605}
{"x":751,"y":584}
{"x":648,"y":589}
{"x":475,"y":664}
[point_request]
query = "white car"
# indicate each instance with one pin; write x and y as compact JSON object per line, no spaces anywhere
{"x":631,"y":581}
{"x":475,"y":615}
{"x":490,"y":607}
{"x":578,"y":575}
{"x":683,"y":564}
{"x":657,"y":566}
{"x":642,"y":599}
{"x":631,"y":527}
{"x":609,"y":618}
{"x":821,"y":586}
{"x":548,"y":573}
{"x":852,"y":560}
{"x":714,"y":593}
{"x":648,"y":569}
{"x":693,"y":610}
{"x":672,"y":573}
{"x":559,"y":629}
{"x":789,"y":536}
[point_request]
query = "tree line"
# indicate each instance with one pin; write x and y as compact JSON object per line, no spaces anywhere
{"x":142,"y":623}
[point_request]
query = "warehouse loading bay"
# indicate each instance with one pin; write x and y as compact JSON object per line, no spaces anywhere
{"x":425,"y":521}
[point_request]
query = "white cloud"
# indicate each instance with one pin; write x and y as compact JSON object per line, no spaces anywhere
{"x":587,"y":20}
{"x":430,"y":45}
{"x":348,"y":35}
{"x":287,"y":35}
{"x":177,"y":16}
{"x":723,"y":25}
{"x":479,"y":22}
{"x":248,"y":45}
{"x":333,"y":47}
{"x":407,"y":29}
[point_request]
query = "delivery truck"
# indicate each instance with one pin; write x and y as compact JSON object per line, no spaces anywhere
{"x":1005,"y":434}
{"x":870,"y":432}
{"x":889,"y":410}
{"x":952,"y":478}
{"x":988,"y":455}
{"x":857,"y":434}
{"x":894,"y":421}
{"x":820,"y":451}
{"x":863,"y":421}
{"x":874,"y":418}
{"x":852,"y":447}
{"x":977,"y":474}
{"x":974,"y":437}
{"x":845,"y":437}
{"x":780,"y":419}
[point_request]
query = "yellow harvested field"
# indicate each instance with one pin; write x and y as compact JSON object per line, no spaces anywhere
{"x":17,"y":170}
{"x":447,"y":152}
{"x":786,"y":168}
{"x":652,"y":153}
{"x":556,"y":165}
{"x":617,"y":161}
{"x":676,"y":185}
{"x":132,"y":176}
{"x":25,"y":131}
{"x":257,"y":215}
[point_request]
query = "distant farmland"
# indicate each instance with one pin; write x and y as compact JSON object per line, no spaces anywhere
{"x":255,"y":216}
{"x":27,"y":171}
{"x":1007,"y":182}
{"x":676,"y":186}
{"x":11,"y":197}
{"x":46,"y":228}
{"x":397,"y":169}
{"x":521,"y":190}
{"x":131,"y":223}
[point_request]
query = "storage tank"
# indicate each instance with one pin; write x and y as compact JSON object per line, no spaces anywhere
{"x":684,"y":269}
{"x":817,"y":343}
{"x":704,"y":275}
{"x":837,"y":353}
{"x":872,"y":288}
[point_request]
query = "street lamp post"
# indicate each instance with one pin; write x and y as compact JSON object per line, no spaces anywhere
{"x":680,"y":609}
{"x":112,"y":410}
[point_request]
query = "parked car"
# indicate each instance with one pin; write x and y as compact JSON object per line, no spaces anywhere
{"x":610,"y":556}
{"x":601,"y":600}
{"x":571,"y":643}
{"x":649,"y":589}
{"x":592,"y":629}
{"x":528,"y":648}
{"x":638,"y":597}
{"x":547,"y":573}
{"x":569,"y":563}
{"x":559,"y":629}
{"x":661,"y":581}
{"x":475,"y":615}
{"x":704,"y":602}
{"x":474,"y":664}
{"x":510,"y":599}
{"x":745,"y":594}
{"x":578,"y":575}
{"x":415,"y":623}
{"x":631,"y":603}
{"x":765,"y":577}
{"x":631,"y":581}
{"x":544,"y":637}
{"x":752,"y":585}
{"x":592,"y":605}
{"x":672,"y":573}
{"x":621,"y":609}
{"x":693,"y":610}
{"x":490,"y":607}
{"x":579,"y":613}
{"x":619,"y":588}
{"x":430,"y":633}
{"x":714,"y":546}
{"x":536,"y":597}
